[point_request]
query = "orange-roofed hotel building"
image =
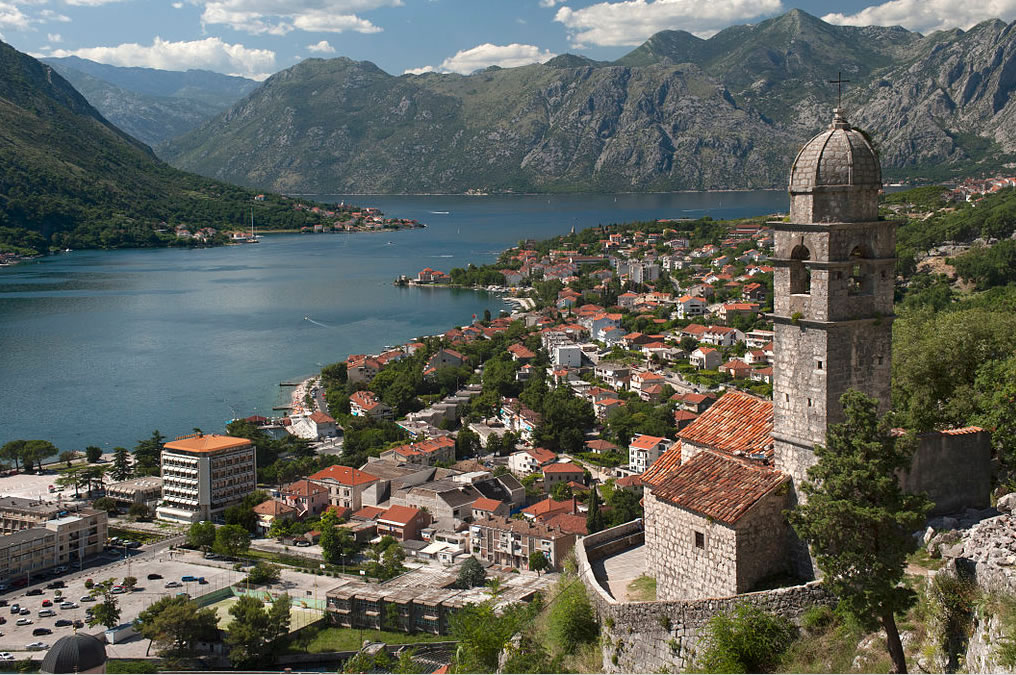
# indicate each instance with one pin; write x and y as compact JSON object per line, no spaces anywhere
{"x":202,"y":474}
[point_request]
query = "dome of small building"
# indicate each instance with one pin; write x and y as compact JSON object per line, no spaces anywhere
{"x":77,"y":653}
{"x":835,"y":177}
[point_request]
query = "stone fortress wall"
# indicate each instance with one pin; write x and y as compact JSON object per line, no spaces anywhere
{"x":647,"y":637}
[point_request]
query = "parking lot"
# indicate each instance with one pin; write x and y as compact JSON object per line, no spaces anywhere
{"x":170,"y":566}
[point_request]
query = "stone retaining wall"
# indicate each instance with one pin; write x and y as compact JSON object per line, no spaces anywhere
{"x":664,"y":636}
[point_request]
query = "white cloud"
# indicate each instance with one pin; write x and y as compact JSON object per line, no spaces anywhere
{"x":177,"y":5}
{"x":279,"y":17}
{"x":322,"y":47}
{"x":481,"y":56}
{"x":54,"y":37}
{"x":50,"y":15}
{"x":631,"y":22}
{"x":551,"y":3}
{"x":419,"y":71}
{"x":12,"y":17}
{"x":90,"y":3}
{"x":211,"y":54}
{"x":926,"y":16}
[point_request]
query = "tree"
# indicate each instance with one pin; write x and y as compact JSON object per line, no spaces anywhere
{"x":242,"y":516}
{"x":129,"y":583}
{"x":231,"y":540}
{"x":561,"y":492}
{"x":201,"y":535}
{"x":467,"y":443}
{"x":68,"y":456}
{"x":625,"y":507}
{"x":11,"y":450}
{"x":386,"y":557}
{"x":571,"y":619}
{"x":859,"y":521}
{"x":594,"y":516}
{"x":106,"y":504}
{"x":148,"y":455}
{"x":482,"y":633}
{"x":91,"y":474}
{"x":33,"y":452}
{"x":538,"y":562}
{"x":331,"y":548}
{"x":997,"y":382}
{"x":107,"y":612}
{"x":139,"y":512}
{"x":264,"y":573}
{"x":748,"y":641}
{"x":254,"y":633}
{"x":174,"y":623}
{"x":93,"y":454}
{"x":471,"y":574}
{"x":121,"y":469}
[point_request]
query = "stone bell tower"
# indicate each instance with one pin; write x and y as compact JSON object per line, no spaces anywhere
{"x":833,"y":292}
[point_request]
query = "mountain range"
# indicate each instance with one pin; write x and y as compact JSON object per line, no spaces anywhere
{"x":152,"y":105}
{"x":678,"y":112}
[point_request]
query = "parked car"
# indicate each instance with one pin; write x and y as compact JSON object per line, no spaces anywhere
{"x":3,"y":603}
{"x":86,"y":598}
{"x":3,"y":587}
{"x":25,"y":611}
{"x":118,"y":589}
{"x":69,"y":605}
{"x":153,"y":576}
{"x":211,"y":556}
{"x":302,"y":543}
{"x":41,"y":631}
{"x":61,"y":569}
{"x":46,"y":612}
{"x":15,"y":608}
{"x":47,"y":603}
{"x":24,"y":622}
{"x":201,"y":580}
{"x":188,"y":577}
{"x":133,"y":544}
{"x":173,"y":584}
{"x":60,"y":623}
{"x":56,"y":584}
{"x":78,"y":623}
{"x":34,"y":591}
{"x":36,"y":646}
{"x":3,"y":620}
{"x":6,"y":656}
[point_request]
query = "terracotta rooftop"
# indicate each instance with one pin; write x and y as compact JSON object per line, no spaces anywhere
{"x":664,"y":466}
{"x":369,"y":512}
{"x":273,"y":508}
{"x":738,"y":423}
{"x":345,"y":475}
{"x":567,"y":522}
{"x":319,"y":417}
{"x":600,"y":445}
{"x":542,"y":455}
{"x":303,"y":488}
{"x":399,"y":515}
{"x":206,"y":443}
{"x":645,"y":442}
{"x":549,"y":505}
{"x":562,"y":467}
{"x":486,"y":504}
{"x":718,"y":487}
{"x":634,"y":480}
{"x":523,"y":527}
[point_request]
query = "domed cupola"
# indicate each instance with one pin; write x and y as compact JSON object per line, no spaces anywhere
{"x":836,"y":177}
{"x":76,"y":653}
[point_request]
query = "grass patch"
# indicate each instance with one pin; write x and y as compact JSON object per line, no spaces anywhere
{"x":642,"y":589}
{"x":827,"y":644}
{"x":310,"y":565}
{"x":921,"y":558}
{"x":318,"y":640}
{"x":136,"y":535}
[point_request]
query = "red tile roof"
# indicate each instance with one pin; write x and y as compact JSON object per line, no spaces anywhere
{"x":345,"y":475}
{"x":738,"y":423}
{"x":273,"y":508}
{"x":319,"y":417}
{"x":548,"y":505}
{"x":667,"y":463}
{"x":487,"y":504}
{"x":542,"y":455}
{"x":568,"y":523}
{"x":303,"y":488}
{"x":563,"y":467}
{"x":600,"y":445}
{"x":645,"y":442}
{"x":718,"y":487}
{"x":369,"y":512}
{"x":399,"y":515}
{"x":635,"y":480}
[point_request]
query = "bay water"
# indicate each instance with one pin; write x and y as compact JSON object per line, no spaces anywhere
{"x":102,"y":347}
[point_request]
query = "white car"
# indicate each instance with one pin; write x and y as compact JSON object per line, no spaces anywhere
{"x":34,"y":646}
{"x":6,"y":656}
{"x":68,"y":605}
{"x":24,"y":622}
{"x":173,"y":584}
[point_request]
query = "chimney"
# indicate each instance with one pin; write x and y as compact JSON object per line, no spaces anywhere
{"x":574,"y":504}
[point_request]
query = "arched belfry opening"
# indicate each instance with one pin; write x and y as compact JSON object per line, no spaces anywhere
{"x":800,"y":274}
{"x":859,"y":279}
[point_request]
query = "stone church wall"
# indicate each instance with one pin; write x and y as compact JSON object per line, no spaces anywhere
{"x":953,"y":469}
{"x":648,"y":637}
{"x":762,"y":540}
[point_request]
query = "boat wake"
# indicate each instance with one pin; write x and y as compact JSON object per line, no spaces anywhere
{"x":316,"y":323}
{"x":440,"y":213}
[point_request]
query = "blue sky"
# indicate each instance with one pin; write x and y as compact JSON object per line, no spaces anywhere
{"x":256,"y":38}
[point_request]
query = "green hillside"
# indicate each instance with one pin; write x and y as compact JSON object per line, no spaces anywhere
{"x":68,"y":178}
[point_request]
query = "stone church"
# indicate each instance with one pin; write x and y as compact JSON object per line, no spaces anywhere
{"x":714,"y":502}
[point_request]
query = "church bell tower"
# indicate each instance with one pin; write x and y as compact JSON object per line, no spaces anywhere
{"x":833,"y":292}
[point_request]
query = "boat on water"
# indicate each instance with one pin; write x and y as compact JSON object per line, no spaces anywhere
{"x":253,"y":238}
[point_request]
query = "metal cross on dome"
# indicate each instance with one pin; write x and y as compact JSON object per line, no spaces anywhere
{"x":839,"y":82}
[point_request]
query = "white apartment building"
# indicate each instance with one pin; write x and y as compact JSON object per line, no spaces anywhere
{"x":202,"y":474}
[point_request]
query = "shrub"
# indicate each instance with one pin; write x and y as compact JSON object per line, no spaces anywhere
{"x":818,"y":618}
{"x":572,"y":621}
{"x":748,"y":641}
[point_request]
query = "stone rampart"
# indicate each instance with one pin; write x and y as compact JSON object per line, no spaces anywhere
{"x":664,"y":636}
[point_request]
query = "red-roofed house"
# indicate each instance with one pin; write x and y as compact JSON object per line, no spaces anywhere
{"x":366,"y":404}
{"x":402,"y":522}
{"x":736,"y":368}
{"x":520,"y":353}
{"x":306,"y":496}
{"x":525,"y":462}
{"x":485,"y":506}
{"x":427,"y":452}
{"x":705,"y":358}
{"x":561,"y":472}
{"x":268,"y":511}
{"x":644,"y":450}
{"x":345,"y":484}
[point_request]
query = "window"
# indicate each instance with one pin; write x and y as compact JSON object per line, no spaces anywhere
{"x":859,"y":282}
{"x":819,"y":366}
{"x":809,"y":402}
{"x":800,"y":274}
{"x":700,"y":540}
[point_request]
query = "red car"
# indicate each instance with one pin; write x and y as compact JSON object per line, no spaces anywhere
{"x":47,"y":603}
